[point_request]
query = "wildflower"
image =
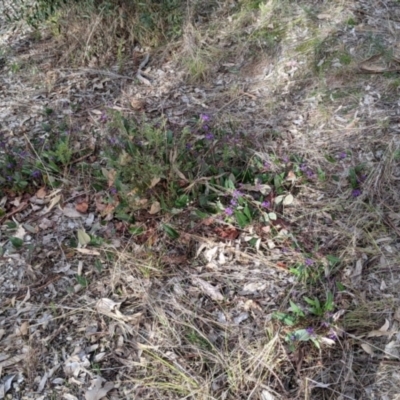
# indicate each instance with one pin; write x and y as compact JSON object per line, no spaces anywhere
{"x":310,"y":330}
{"x":356,"y":192}
{"x":342,"y":155}
{"x":36,"y":174}
{"x":234,"y":202}
{"x":293,"y":337}
{"x":113,"y":190}
{"x":308,"y":262}
{"x":103,"y":117}
{"x":267,"y":165}
{"x":361,"y":178}
{"x":188,"y":146}
{"x":266,"y":204}
{"x":209,"y":136}
{"x":229,"y":211}
{"x":285,"y":159}
{"x":332,"y":335}
{"x":204,"y":117}
{"x":310,"y":174}
{"x":236,"y":194}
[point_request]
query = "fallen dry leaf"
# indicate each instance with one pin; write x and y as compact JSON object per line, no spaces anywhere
{"x":227,"y":232}
{"x":83,"y":237}
{"x":41,"y":193}
{"x":54,"y":201}
{"x":155,"y":208}
{"x":88,"y":252}
{"x":208,"y":289}
{"x":71,"y":212}
{"x":368,"y":349}
{"x":97,"y":392}
{"x":82,"y":207}
{"x":291,"y":176}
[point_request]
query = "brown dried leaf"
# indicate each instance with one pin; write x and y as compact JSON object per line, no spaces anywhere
{"x":155,"y":208}
{"x":54,"y":201}
{"x":71,"y":212}
{"x":41,"y":193}
{"x":82,"y":207}
{"x":368,"y":349}
{"x":227,"y":232}
{"x":208,"y":289}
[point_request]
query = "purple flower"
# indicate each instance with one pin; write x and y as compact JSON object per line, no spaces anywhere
{"x":204,"y":117}
{"x":103,"y":117}
{"x":188,"y":146}
{"x":310,"y":330}
{"x":113,"y":190}
{"x":236,"y":194}
{"x":113,"y":140}
{"x":234,"y":202}
{"x":266,"y":204}
{"x":229,"y":211}
{"x":342,"y":155}
{"x":356,"y":192}
{"x":36,"y":174}
{"x":308,"y":262}
{"x":310,"y":173}
{"x":209,"y":136}
{"x":332,"y":335}
{"x":361,"y":178}
{"x":303,"y":167}
{"x":293,"y":337}
{"x":267,"y":165}
{"x":285,"y":159}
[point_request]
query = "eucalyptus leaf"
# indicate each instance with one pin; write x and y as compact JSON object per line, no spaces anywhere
{"x":83,"y":237}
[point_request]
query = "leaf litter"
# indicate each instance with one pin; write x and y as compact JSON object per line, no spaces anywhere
{"x":133,"y":307}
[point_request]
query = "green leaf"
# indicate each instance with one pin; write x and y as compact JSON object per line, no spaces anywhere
{"x":16,"y":242}
{"x":201,"y":214}
{"x":253,"y":241}
{"x":333,"y":261}
{"x":241,"y":219}
{"x":302,"y":335}
{"x":296,"y":309}
{"x":136,"y":230}
{"x":285,"y":318}
{"x":340,"y":286}
{"x":171,"y":232}
{"x":330,"y":158}
{"x":82,"y":280}
{"x":247,"y":212}
{"x":229,"y":184}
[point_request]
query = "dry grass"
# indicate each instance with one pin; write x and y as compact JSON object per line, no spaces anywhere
{"x":289,"y":69}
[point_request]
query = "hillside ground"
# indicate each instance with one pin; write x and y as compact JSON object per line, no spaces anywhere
{"x":200,"y":200}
